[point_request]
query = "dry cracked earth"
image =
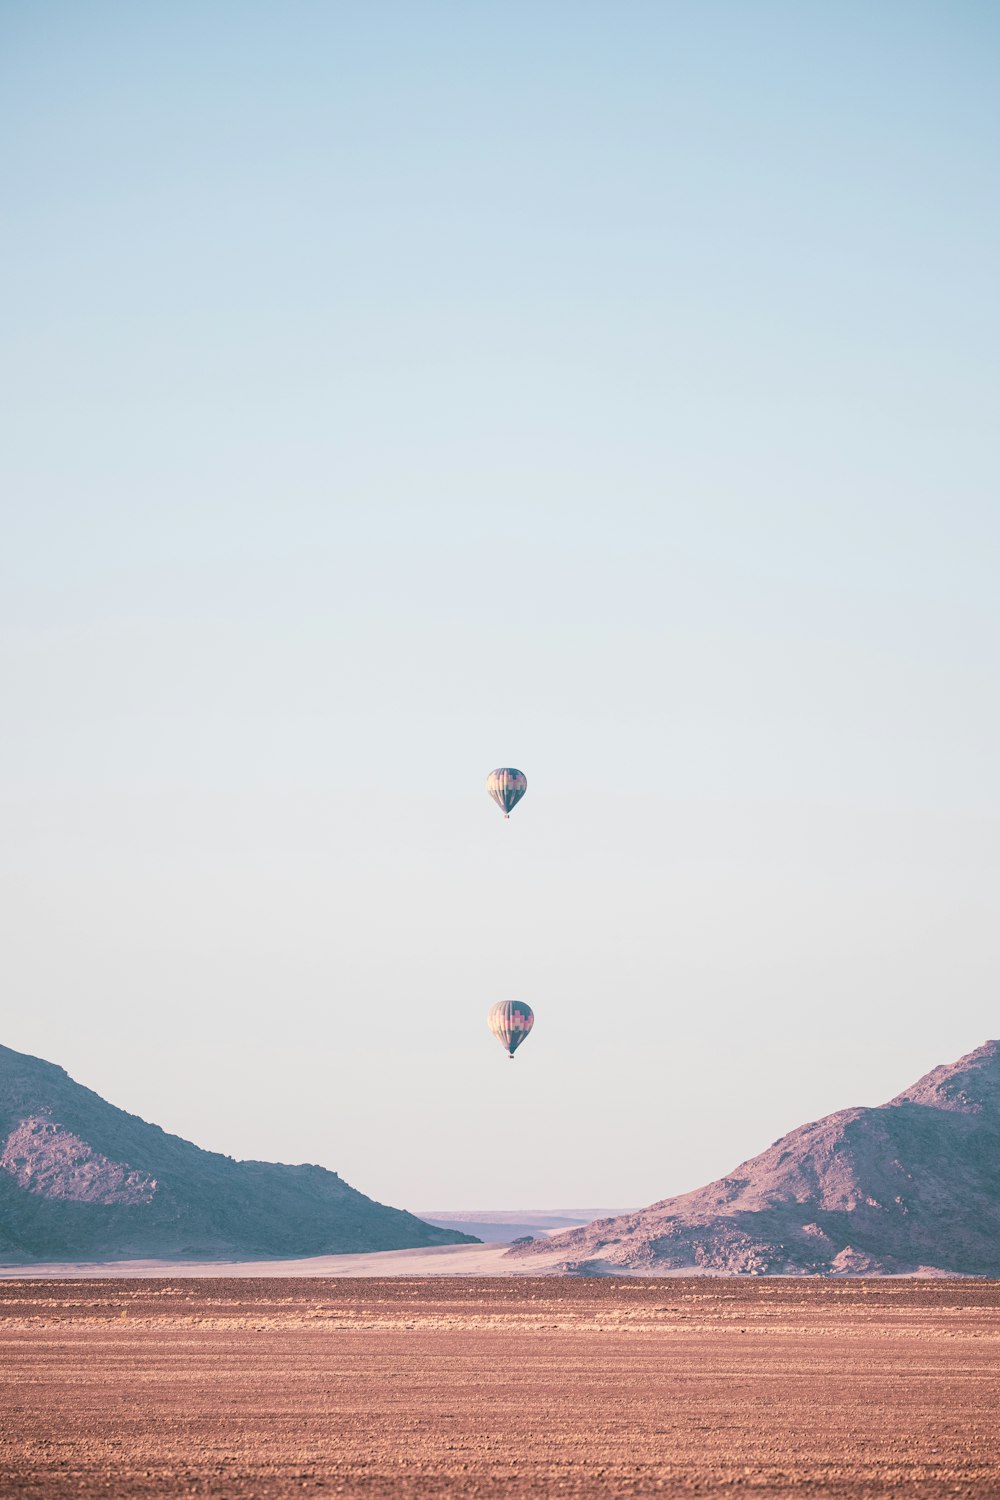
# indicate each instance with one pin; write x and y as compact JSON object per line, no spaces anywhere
{"x":483,"y":1388}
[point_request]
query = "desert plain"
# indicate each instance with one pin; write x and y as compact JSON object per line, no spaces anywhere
{"x":466,"y":1386}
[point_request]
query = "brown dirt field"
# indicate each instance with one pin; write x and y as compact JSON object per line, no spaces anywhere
{"x":472,"y":1387}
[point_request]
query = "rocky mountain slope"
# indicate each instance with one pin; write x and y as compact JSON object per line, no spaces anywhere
{"x":82,"y":1180}
{"x":912,"y":1185}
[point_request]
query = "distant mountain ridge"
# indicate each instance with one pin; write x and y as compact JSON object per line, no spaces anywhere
{"x":912,"y":1185}
{"x":82,"y":1180}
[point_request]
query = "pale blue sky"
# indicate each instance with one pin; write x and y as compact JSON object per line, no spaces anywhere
{"x":393,"y":391}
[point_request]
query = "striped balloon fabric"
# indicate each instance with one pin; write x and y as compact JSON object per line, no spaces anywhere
{"x":510,"y":1023}
{"x":506,"y":786}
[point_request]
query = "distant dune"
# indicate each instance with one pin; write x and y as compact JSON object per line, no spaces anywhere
{"x":83,"y":1181}
{"x":912,"y":1187}
{"x":499,"y":1226}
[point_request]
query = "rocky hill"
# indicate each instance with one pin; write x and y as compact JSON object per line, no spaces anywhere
{"x":913,"y":1185}
{"x":82,"y":1180}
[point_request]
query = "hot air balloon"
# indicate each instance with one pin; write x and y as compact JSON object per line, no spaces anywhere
{"x":510,"y":1022}
{"x":506,"y":786}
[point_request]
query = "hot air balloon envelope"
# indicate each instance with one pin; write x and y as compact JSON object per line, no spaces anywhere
{"x":510,"y":1022}
{"x":506,"y":786}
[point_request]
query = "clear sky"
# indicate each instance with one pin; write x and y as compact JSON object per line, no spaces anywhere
{"x":396,"y":390}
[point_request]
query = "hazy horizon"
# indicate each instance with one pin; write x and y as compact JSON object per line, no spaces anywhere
{"x":398,"y":392}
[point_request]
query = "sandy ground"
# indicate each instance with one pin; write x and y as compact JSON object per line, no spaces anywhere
{"x":502,"y":1387}
{"x":434,"y":1260}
